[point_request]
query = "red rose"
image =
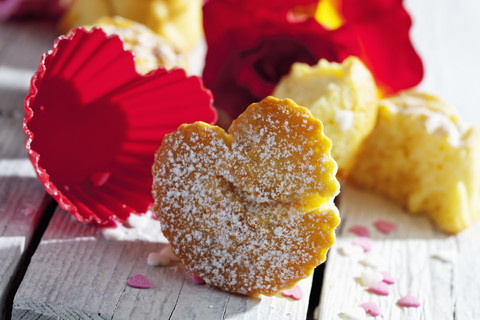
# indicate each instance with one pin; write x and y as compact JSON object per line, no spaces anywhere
{"x":252,"y":44}
{"x":382,"y":28}
{"x":250,"y":48}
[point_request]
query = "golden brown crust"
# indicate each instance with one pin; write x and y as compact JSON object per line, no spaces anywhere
{"x":229,"y":224}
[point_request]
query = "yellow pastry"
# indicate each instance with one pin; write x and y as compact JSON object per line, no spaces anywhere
{"x":250,"y":211}
{"x":150,"y":50}
{"x":341,"y":95}
{"x":178,"y":21}
{"x":424,"y":156}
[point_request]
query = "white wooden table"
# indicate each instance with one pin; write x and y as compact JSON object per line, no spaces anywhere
{"x":52,"y":267}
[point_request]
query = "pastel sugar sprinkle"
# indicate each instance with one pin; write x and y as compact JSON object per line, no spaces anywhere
{"x":197,"y":279}
{"x":295,"y":293}
{"x":349,"y":250}
{"x":371,"y":308}
{"x":139,"y":281}
{"x":363,"y":242}
{"x":380,"y":288}
{"x":388,"y":278}
{"x":168,"y":252}
{"x":157,"y":259}
{"x":409,"y":301}
{"x":445,"y":256}
{"x":370,"y":277}
{"x":385,"y":226}
{"x":356,"y":313}
{"x":373,"y":260}
{"x":360,"y":231}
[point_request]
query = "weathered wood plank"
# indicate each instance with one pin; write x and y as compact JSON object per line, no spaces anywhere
{"x":442,"y":34}
{"x":21,"y":47}
{"x":466,"y":280}
{"x":427,"y":263}
{"x":20,"y":201}
{"x":22,"y":196}
{"x":75,"y":271}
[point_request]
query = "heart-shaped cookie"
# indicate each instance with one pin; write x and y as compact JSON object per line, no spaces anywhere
{"x":93,"y":123}
{"x":251,"y":211}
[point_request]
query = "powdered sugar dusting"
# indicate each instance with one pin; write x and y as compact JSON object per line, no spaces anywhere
{"x":245,"y":241}
{"x":280,"y":155}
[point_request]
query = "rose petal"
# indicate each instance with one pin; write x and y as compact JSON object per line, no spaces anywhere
{"x":387,"y":51}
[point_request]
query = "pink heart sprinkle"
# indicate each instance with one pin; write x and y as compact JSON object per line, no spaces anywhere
{"x":294,"y":293}
{"x":385,"y":226}
{"x":388,"y":278}
{"x":360,"y":231}
{"x":371,"y":308}
{"x":197,"y":280}
{"x":363,"y":242}
{"x":409,"y":301}
{"x":139,"y":281}
{"x":380,"y":288}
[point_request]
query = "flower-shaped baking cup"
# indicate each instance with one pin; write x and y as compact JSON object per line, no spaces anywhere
{"x":93,"y":124}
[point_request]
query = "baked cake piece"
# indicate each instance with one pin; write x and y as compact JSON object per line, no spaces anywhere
{"x":178,"y":21}
{"x":150,"y":49}
{"x":250,"y":211}
{"x":341,"y":95}
{"x":424,"y":156}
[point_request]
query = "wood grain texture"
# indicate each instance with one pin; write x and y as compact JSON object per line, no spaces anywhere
{"x":443,"y":33}
{"x":21,"y":194}
{"x":21,"y":47}
{"x":76,"y":272}
{"x":427,"y":263}
{"x":21,"y":197}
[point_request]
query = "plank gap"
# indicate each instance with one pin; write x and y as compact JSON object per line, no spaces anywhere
{"x":224,"y":314}
{"x":176,"y":301}
{"x":316,"y":291}
{"x":43,"y":217}
{"x":117,"y":304}
{"x":317,"y":282}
